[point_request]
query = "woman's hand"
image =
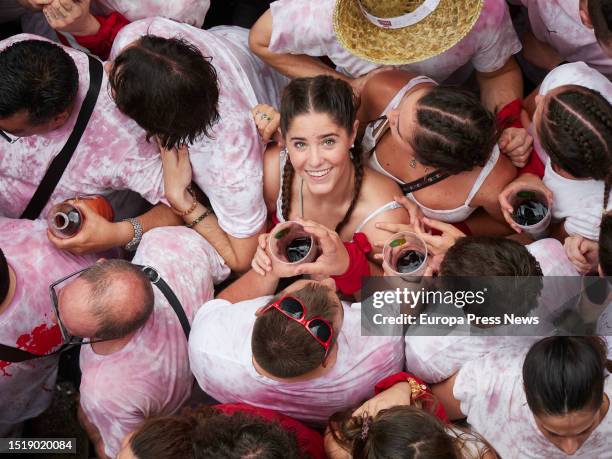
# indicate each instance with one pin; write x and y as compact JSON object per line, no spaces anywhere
{"x":399,"y":394}
{"x":522,"y":182}
{"x":583,"y":253}
{"x":267,"y":120}
{"x":262,"y":263}
{"x":72,"y":16}
{"x":177,"y":176}
{"x":517,"y":145}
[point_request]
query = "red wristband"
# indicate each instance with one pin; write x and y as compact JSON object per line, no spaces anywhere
{"x":510,"y":115}
{"x":349,"y":282}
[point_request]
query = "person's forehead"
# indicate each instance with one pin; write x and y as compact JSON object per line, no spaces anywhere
{"x":569,"y":424}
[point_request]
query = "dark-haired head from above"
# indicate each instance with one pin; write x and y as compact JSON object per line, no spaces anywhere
{"x":168,"y":87}
{"x":39,"y":82}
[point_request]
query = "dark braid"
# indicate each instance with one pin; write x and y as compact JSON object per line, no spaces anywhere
{"x":575,"y":129}
{"x":454,"y":133}
{"x":321,"y":94}
{"x":358,"y":167}
{"x":288,"y":173}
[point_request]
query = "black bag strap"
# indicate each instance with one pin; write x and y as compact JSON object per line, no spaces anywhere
{"x":15,"y":355}
{"x":60,"y":162}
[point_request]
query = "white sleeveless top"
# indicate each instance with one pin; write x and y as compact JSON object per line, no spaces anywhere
{"x":370,"y":139}
{"x":279,"y":202}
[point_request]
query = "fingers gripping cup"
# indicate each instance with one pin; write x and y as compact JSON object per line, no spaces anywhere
{"x":405,"y":255}
{"x":65,"y":220}
{"x":531,"y":213}
{"x":289,"y":243}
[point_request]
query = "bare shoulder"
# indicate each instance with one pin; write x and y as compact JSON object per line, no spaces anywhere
{"x":376,"y":189}
{"x":502,"y":174}
{"x":380,"y":89}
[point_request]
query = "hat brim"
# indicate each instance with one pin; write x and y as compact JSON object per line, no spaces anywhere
{"x":441,"y":30}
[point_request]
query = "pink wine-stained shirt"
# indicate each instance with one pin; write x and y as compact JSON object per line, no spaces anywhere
{"x":150,"y":376}
{"x":113,"y":153}
{"x":558,"y":23}
{"x":305,"y":27}
{"x":227,"y":166}
{"x":493,"y":398}
{"x":26,"y":388}
{"x":221,"y":360}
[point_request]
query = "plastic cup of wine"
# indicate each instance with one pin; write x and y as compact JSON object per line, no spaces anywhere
{"x":405,"y":255}
{"x":531,"y":213}
{"x":290,"y":244}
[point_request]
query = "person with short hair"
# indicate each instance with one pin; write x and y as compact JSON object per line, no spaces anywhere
{"x":28,"y":265}
{"x":360,"y":36}
{"x":231,"y":430}
{"x":552,"y":399}
{"x":42,"y":88}
{"x":300,"y":352}
{"x":137,"y":365}
{"x":195,"y":88}
{"x":569,"y":31}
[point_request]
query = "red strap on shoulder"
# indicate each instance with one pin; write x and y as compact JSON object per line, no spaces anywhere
{"x":349,"y":282}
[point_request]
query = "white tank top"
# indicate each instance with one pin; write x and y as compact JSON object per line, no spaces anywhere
{"x":279,"y":202}
{"x":372,"y":136}
{"x":578,"y":202}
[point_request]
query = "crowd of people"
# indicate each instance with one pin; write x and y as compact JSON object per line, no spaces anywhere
{"x":357,"y":119}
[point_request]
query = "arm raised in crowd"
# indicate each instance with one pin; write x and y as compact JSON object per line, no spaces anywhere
{"x":502,"y":86}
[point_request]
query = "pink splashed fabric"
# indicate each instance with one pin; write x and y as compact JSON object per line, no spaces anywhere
{"x":228,"y":165}
{"x":558,"y":23}
{"x":492,"y":396}
{"x":221,"y":360}
{"x":112,"y":154}
{"x":150,"y":375}
{"x":305,"y":27}
{"x":191,"y":12}
{"x":26,"y":388}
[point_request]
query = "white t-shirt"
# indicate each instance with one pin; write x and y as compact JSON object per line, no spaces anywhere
{"x":112,"y":154}
{"x":150,"y":376}
{"x":26,"y":388}
{"x":228,"y":165}
{"x":436,"y":358}
{"x":558,"y":23}
{"x":578,"y":202}
{"x":493,"y":398}
{"x":221,"y":360}
{"x":305,"y":27}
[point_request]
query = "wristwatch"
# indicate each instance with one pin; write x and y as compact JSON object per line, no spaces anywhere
{"x":131,"y":246}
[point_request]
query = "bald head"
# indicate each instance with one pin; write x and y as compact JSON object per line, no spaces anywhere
{"x":110,"y":300}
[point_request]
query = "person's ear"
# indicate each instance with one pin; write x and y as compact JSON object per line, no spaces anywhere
{"x":584,"y":14}
{"x":60,"y":119}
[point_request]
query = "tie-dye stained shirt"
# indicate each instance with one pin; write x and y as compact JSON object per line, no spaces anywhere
{"x":112,"y":154}
{"x":26,"y":388}
{"x":228,"y":165}
{"x":305,"y":27}
{"x":150,"y":375}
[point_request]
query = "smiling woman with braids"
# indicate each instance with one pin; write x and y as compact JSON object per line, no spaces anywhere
{"x":319,"y":174}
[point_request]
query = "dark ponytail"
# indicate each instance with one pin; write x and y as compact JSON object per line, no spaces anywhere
{"x":564,"y":374}
{"x":321,"y":94}
{"x":605,"y":244}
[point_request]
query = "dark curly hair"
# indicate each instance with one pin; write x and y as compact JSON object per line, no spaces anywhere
{"x":168,"y":87}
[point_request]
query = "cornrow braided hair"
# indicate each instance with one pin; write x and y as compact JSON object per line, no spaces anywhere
{"x":454,"y":132}
{"x":320,"y":94}
{"x":575,"y":129}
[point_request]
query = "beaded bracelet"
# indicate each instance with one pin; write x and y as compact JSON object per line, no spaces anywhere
{"x":200,"y":218}
{"x":182,"y":213}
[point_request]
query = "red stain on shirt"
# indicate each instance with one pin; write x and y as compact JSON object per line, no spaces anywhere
{"x":42,"y":340}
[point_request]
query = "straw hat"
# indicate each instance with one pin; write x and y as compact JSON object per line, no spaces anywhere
{"x":396,"y":32}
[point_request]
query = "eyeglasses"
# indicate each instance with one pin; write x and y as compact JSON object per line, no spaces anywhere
{"x":9,"y":138}
{"x":320,"y":329}
{"x":69,"y":340}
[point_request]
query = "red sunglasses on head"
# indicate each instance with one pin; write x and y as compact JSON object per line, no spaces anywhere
{"x":319,"y":328}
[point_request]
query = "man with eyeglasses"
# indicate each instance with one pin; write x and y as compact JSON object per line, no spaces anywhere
{"x":300,"y":352}
{"x":28,"y":264}
{"x":137,"y":364}
{"x":42,"y":90}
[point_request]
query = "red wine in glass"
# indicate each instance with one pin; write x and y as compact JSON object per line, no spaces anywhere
{"x":529,"y":213}
{"x":298,"y":248}
{"x":410,"y":261}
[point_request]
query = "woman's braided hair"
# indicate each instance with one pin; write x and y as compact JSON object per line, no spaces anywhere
{"x":576,"y":131}
{"x":320,"y":94}
{"x":454,"y":132}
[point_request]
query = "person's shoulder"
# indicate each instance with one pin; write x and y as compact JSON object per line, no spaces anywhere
{"x":378,"y":189}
